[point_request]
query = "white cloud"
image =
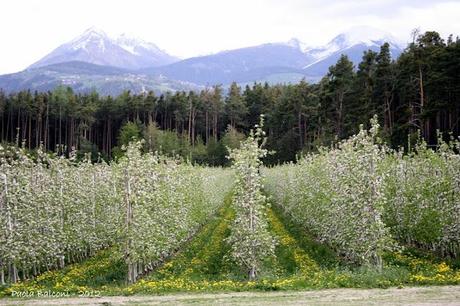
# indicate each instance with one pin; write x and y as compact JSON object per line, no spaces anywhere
{"x":31,"y":29}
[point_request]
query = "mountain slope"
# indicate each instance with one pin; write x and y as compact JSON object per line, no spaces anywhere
{"x":96,"y":47}
{"x":240,"y":65}
{"x":278,"y":62}
{"x":85,"y":77}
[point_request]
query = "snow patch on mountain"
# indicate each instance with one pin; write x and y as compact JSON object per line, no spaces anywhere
{"x":90,"y":36}
{"x":359,"y":35}
{"x":365,"y":35}
{"x":132,"y":44}
{"x":296,"y":43}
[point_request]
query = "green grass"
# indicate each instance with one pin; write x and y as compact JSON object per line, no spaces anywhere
{"x":324,"y":256}
{"x":206,"y":255}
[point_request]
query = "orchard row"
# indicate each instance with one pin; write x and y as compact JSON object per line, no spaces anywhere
{"x":55,"y":211}
{"x":364,"y":199}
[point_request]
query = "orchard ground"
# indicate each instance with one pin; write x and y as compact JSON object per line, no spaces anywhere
{"x":435,"y":295}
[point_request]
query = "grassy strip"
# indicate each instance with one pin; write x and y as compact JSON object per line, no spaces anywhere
{"x":203,"y":257}
{"x":319,"y":252}
{"x":289,"y":254}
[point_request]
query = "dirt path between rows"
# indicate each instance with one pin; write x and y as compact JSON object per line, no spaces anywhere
{"x":445,"y":295}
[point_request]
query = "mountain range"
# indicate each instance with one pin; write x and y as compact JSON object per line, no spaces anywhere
{"x":96,"y":47}
{"x":110,"y":65}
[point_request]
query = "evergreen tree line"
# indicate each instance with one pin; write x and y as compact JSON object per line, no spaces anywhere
{"x":416,"y":95}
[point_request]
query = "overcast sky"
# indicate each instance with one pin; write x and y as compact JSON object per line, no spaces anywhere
{"x":31,"y":29}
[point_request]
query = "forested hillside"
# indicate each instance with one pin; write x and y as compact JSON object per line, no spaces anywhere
{"x":417,"y":93}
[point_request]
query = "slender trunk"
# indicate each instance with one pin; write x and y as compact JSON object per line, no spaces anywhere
{"x":60,"y":125}
{"x":18,"y":124}
{"x":2,"y":275}
{"x":104,"y":137}
{"x":422,"y":100}
{"x":18,"y":128}
{"x":193,"y":127}
{"x":190,"y":123}
{"x":299,"y":123}
{"x":207,"y":128}
{"x":61,"y":261}
{"x":47,"y":127}
{"x":8,"y":122}
{"x":55,"y":135}
{"x":252,"y":270}
{"x":305,"y":138}
{"x":93,"y":198}
{"x":30,"y":131}
{"x":386,"y":124}
{"x":13,"y":273}
{"x":109,"y":137}
{"x":390,"y":113}
{"x":215,"y":127}
{"x":129,"y":215}
{"x":37,"y":130}
{"x":65,"y":135}
{"x":340,"y":98}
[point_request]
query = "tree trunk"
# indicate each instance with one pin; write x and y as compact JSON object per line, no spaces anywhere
{"x":207,"y":127}
{"x":60,"y":126}
{"x":2,"y":275}
{"x":190,"y":123}
{"x":30,"y":131}
{"x":13,"y":273}
{"x":193,"y":126}
{"x":8,"y":122}
{"x":47,"y":126}
{"x":215,"y":127}
{"x":252,"y":274}
{"x":422,"y":100}
{"x":299,"y":123}
{"x":340,"y":97}
{"x":129,"y":215}
{"x":109,"y":138}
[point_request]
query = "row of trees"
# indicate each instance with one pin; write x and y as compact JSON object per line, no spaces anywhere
{"x":418,"y":91}
{"x":364,"y":199}
{"x":55,"y":211}
{"x":337,"y":195}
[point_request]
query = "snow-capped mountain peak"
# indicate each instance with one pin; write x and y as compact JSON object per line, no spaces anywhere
{"x":91,"y":38}
{"x":364,"y":36}
{"x":96,"y":47}
{"x":367,"y":35}
{"x":94,"y":31}
{"x":133,"y":44}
